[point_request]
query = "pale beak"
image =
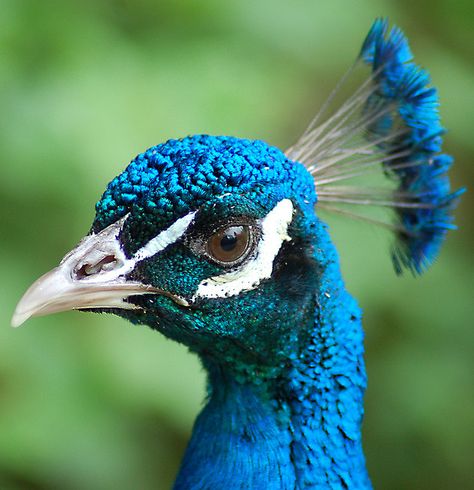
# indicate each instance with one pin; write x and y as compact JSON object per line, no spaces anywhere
{"x":57,"y":291}
{"x":92,"y":275}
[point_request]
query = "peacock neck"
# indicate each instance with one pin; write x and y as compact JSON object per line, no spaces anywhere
{"x":294,"y":423}
{"x":241,"y":439}
{"x":326,"y":389}
{"x":298,"y":430}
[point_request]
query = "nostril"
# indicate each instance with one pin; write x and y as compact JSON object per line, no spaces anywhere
{"x":107,"y":263}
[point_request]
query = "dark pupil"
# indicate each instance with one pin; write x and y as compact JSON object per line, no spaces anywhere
{"x":229,"y":244}
{"x":229,"y":240}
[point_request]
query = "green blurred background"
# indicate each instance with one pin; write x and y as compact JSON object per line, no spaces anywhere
{"x":90,"y":402}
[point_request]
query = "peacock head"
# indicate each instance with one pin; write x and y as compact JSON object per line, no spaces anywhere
{"x":214,"y":241}
{"x":209,"y":240}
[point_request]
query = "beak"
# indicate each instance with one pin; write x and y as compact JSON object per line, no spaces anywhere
{"x":92,"y":275}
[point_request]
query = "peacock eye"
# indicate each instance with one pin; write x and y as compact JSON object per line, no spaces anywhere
{"x":230,"y":244}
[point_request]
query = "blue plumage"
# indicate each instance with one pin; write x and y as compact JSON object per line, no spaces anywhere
{"x":214,"y":242}
{"x":408,"y":105}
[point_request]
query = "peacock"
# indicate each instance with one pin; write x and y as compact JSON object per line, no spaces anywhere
{"x":217,"y":243}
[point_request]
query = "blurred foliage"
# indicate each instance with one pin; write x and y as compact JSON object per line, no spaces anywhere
{"x":88,"y":401}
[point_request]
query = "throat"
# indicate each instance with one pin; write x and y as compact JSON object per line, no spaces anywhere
{"x":299,"y":430}
{"x":241,"y":439}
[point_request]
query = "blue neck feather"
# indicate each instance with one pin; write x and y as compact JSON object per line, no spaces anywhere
{"x":300,"y":429}
{"x":241,"y":439}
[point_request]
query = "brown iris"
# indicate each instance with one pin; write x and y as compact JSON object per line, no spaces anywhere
{"x":229,"y":244}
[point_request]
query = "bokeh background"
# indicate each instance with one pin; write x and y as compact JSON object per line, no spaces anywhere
{"x":91,"y":402}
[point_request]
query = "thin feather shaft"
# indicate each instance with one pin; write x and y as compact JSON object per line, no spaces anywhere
{"x":375,"y":202}
{"x":390,"y":226}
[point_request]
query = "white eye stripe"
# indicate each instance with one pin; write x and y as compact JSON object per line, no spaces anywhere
{"x":167,"y":237}
{"x":95,"y":248}
{"x":274,"y":233}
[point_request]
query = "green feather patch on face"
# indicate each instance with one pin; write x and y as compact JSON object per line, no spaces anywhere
{"x":175,"y":270}
{"x":255,"y":332}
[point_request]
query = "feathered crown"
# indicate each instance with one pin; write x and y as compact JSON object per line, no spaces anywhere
{"x":391,"y":123}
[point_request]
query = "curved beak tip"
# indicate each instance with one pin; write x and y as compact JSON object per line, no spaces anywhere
{"x":29,"y":305}
{"x":19,"y":318}
{"x":36,"y":298}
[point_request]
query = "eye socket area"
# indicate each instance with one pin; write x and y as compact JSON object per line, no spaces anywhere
{"x":226,"y":242}
{"x":230,"y":244}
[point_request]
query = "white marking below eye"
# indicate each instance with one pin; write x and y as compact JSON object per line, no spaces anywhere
{"x":274,"y":233}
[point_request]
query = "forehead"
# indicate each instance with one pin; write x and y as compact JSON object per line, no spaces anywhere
{"x":176,"y":177}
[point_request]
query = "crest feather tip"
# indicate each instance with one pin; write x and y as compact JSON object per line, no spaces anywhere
{"x":390,"y":122}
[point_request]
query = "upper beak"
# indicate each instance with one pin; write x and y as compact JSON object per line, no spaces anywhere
{"x":56,"y":291}
{"x":92,"y":275}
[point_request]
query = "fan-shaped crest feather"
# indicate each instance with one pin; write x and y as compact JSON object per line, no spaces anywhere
{"x":391,"y":123}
